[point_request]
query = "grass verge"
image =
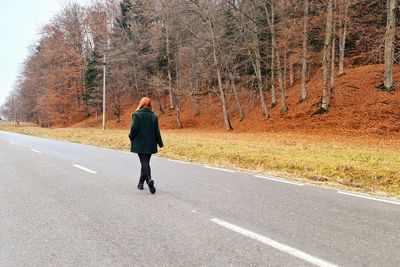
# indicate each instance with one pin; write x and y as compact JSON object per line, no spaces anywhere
{"x":341,"y":164}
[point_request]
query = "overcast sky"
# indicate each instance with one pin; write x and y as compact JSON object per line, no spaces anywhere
{"x":20,"y":21}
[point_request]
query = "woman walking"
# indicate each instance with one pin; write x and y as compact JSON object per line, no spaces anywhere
{"x":145,"y":136}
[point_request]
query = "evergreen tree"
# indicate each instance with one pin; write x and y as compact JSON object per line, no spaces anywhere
{"x":92,"y":96}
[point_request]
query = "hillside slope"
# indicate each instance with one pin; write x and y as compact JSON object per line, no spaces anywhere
{"x":357,"y":107}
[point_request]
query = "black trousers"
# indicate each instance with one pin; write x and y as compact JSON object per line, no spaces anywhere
{"x":145,"y":161}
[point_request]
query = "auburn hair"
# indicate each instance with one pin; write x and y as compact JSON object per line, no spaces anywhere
{"x":145,"y":102}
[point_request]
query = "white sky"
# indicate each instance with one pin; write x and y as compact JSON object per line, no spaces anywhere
{"x":20,"y":21}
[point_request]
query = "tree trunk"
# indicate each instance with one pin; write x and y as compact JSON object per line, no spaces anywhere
{"x":257,"y":70}
{"x":136,"y":80}
{"x":389,"y":44}
{"x":273,"y":93}
{"x":241,"y":113}
{"x":303,"y":91}
{"x":291,"y":74}
{"x":177,"y":110}
{"x":164,"y":99}
{"x":285,"y":68}
{"x":342,"y":37}
{"x":326,"y":94}
{"x":171,"y":95}
{"x":196,"y":97}
{"x":263,"y":102}
{"x":221,"y":89}
{"x":281,"y":84}
{"x":255,"y":58}
{"x":255,"y":61}
{"x":178,"y":117}
{"x":332,"y":85}
{"x":277,"y":56}
{"x":159,"y":102}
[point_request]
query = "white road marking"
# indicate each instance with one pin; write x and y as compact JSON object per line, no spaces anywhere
{"x":218,"y":169}
{"x":370,"y":198}
{"x":194,"y":211}
{"x":178,"y":161}
{"x":278,"y":180}
{"x":11,"y":142}
{"x":84,"y":169}
{"x":36,"y":151}
{"x":275,"y":244}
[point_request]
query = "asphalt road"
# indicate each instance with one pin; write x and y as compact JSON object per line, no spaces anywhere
{"x":65,"y":204}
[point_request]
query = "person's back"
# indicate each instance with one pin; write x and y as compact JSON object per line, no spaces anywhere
{"x":145,"y":136}
{"x":145,"y":132}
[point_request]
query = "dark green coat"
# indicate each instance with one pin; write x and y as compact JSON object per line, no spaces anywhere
{"x":145,"y":132}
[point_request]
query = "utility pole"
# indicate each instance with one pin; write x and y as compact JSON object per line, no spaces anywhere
{"x":14,"y":115}
{"x":17,"y":115}
{"x":15,"y":112}
{"x":104,"y":92}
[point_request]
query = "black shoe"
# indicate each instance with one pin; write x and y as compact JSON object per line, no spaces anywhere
{"x":150,"y":183}
{"x":140,"y":184}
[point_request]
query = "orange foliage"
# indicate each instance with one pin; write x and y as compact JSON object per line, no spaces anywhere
{"x":358,"y":109}
{"x":62,"y":99}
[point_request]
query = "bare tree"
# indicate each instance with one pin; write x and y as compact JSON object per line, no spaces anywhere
{"x":291,"y":71}
{"x":250,"y":31}
{"x":166,"y":14}
{"x":207,"y":13}
{"x":273,"y":56}
{"x":194,"y":66}
{"x":389,"y":44}
{"x":237,"y":99}
{"x":326,"y":66}
{"x":333,"y":52}
{"x":255,"y":57}
{"x":343,"y":25}
{"x":178,"y":84}
{"x":303,"y":92}
{"x":277,"y":58}
{"x":218,"y":68}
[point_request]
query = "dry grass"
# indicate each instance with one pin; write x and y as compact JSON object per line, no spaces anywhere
{"x":369,"y":167}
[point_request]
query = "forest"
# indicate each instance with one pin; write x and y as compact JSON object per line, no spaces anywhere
{"x":231,"y":57}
